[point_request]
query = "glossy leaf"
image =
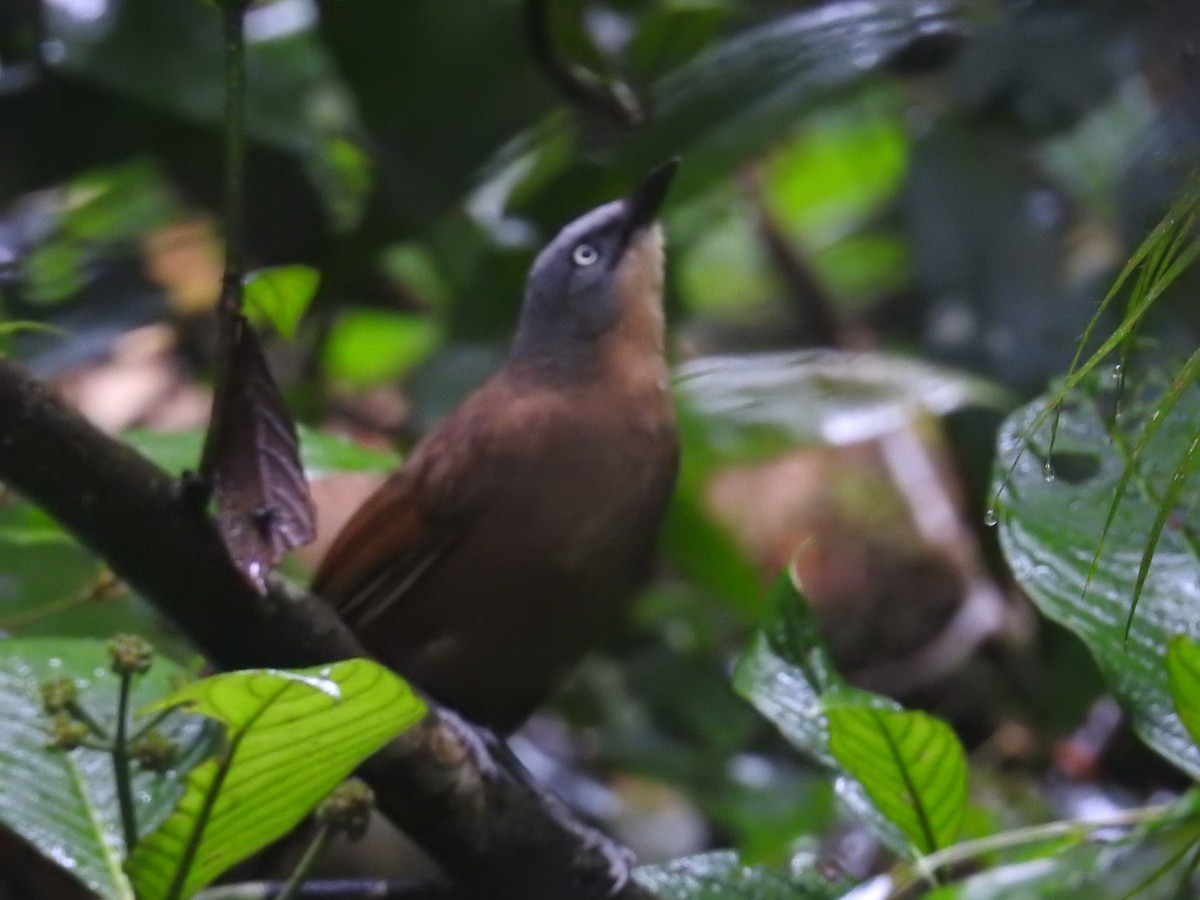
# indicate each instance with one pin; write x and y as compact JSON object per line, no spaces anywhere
{"x":64,"y":803}
{"x":722,"y":876}
{"x":788,"y":675}
{"x":911,"y":766}
{"x":1149,"y":863}
{"x":280,"y":295}
{"x":1183,"y":669}
{"x":747,"y":92}
{"x":755,"y":405}
{"x":1052,"y":510}
{"x":290,"y":738}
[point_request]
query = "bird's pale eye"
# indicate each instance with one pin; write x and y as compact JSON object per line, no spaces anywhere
{"x":585,"y":255}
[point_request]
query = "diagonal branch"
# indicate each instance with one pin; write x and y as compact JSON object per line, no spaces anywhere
{"x":497,"y":837}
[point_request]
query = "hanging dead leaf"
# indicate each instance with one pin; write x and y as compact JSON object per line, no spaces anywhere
{"x":252,"y":459}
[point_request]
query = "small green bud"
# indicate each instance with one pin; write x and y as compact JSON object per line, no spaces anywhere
{"x":58,"y":694}
{"x":131,"y":655}
{"x":154,"y":751}
{"x":348,"y":808}
{"x":66,"y":733}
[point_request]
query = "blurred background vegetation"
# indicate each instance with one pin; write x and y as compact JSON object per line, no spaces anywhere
{"x":893,"y":221}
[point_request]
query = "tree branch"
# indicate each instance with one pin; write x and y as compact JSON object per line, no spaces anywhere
{"x":494,"y":835}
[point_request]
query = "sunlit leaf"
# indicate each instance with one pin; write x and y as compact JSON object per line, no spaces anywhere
{"x":369,"y":346}
{"x":911,"y":766}
{"x":64,"y":803}
{"x":280,"y":295}
{"x":290,"y":738}
{"x":1183,"y":669}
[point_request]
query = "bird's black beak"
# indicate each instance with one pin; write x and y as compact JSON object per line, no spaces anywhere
{"x":643,"y":204}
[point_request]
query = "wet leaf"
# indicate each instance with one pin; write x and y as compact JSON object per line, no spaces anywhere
{"x":911,"y":766}
{"x":722,"y":876}
{"x":1051,"y":526}
{"x":63,"y":803}
{"x":291,"y":737}
{"x":788,"y":675}
{"x":758,"y":404}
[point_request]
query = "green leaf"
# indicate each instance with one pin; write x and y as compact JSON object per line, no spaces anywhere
{"x":789,"y":677}
{"x":7,"y":328}
{"x":120,"y":203}
{"x":910,"y":764}
{"x":787,"y":671}
{"x":55,"y":271}
{"x":1183,"y":669}
{"x":370,"y":346}
{"x":1051,"y":527}
{"x":746,"y":407}
{"x":64,"y":803}
{"x":280,"y":295}
{"x":290,"y":738}
{"x":321,"y":453}
{"x":722,"y":876}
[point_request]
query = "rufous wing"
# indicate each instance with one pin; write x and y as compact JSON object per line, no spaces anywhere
{"x":383,"y":551}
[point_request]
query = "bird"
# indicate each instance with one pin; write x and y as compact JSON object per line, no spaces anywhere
{"x":522,"y":524}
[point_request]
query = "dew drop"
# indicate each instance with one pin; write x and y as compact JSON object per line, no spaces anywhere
{"x":1117,"y":371}
{"x":989,"y":518}
{"x":1048,"y":470}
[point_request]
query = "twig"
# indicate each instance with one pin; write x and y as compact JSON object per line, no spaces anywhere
{"x":488,"y":833}
{"x":614,"y":100}
{"x":316,"y":849}
{"x":359,"y":889}
{"x":1034,"y":834}
{"x":120,"y":762}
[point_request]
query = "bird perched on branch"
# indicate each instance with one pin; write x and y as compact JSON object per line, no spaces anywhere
{"x":491,"y":561}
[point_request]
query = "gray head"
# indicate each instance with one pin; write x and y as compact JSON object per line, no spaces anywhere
{"x":572,"y":296}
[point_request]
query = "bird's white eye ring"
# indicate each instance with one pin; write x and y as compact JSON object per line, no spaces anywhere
{"x":585,"y":255}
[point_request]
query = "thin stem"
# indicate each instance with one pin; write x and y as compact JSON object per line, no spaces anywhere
{"x":235,"y":152}
{"x":1019,"y":837}
{"x":78,"y":712}
{"x":154,"y":721}
{"x":120,"y":760}
{"x":582,"y":87}
{"x":307,"y":863}
{"x":210,"y":800}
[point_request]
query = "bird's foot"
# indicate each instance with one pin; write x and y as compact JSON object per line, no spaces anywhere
{"x":618,"y":859}
{"x":475,"y":743}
